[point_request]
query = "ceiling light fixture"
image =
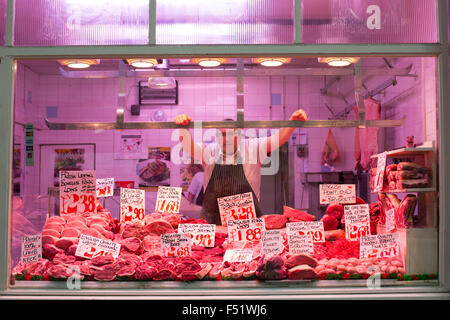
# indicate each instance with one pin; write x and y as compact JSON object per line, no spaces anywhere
{"x":272,"y":62}
{"x":142,"y":62}
{"x":339,"y":61}
{"x":79,"y":63}
{"x":209,"y":62}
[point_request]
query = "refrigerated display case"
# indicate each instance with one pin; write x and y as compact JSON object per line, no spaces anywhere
{"x":371,"y":79}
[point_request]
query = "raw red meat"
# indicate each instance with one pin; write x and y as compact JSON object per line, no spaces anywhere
{"x":159,"y":227}
{"x":93,"y":233}
{"x":165,"y":274}
{"x":102,"y":260}
{"x":329,"y":222}
{"x":275,"y":221}
{"x":298,"y":215}
{"x":145,"y":272}
{"x":131,"y":244}
{"x":54,"y":226}
{"x":405,"y":211}
{"x":194,"y":221}
{"x":335,"y":210}
{"x":50,"y":250}
{"x":134,"y":231}
{"x":64,"y":243}
{"x":299,"y":259}
{"x":62,"y":258}
{"x":127,"y":270}
{"x":51,"y":232}
{"x":70,"y":233}
{"x":368,"y":137}
{"x":59,"y":272}
{"x":302,"y":272}
{"x":48,"y":239}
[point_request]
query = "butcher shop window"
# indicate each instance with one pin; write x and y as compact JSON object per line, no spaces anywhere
{"x":349,"y":195}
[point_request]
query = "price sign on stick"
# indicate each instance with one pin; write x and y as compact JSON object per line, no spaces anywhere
{"x":246,"y":230}
{"x":300,"y":244}
{"x":272,"y":242}
{"x":105,"y":187}
{"x":238,"y":255}
{"x":381,"y":166}
{"x":337,"y":193}
{"x":132,"y":205}
{"x":380,"y":246}
{"x":90,"y":247}
{"x":390,"y":219}
{"x":168,"y":199}
{"x":31,"y":249}
{"x":313,"y":229}
{"x":236,"y":207}
{"x":201,"y":234}
{"x":357,"y":221}
{"x":77,"y":192}
{"x":175,"y":245}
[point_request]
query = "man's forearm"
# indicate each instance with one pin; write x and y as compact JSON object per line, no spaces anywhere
{"x":189,"y":146}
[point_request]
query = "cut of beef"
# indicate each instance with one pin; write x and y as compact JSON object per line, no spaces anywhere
{"x":302,"y":272}
{"x":59,"y":272}
{"x":102,"y":260}
{"x":48,"y":239}
{"x":300,"y":259}
{"x":70,"y":233}
{"x":275,"y":221}
{"x":134,"y":231}
{"x":64,"y":243}
{"x":51,"y":232}
{"x":165,"y":274}
{"x":131,"y":244}
{"x":50,"y":250}
{"x":54,"y":226}
{"x":159,"y":227}
{"x":145,"y":272}
{"x":297,"y":215}
{"x":62,"y":258}
{"x":127,"y":270}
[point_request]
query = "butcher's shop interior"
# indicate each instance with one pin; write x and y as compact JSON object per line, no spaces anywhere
{"x":315,"y":164}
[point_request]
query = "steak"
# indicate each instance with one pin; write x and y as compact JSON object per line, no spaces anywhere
{"x":50,"y":250}
{"x":302,"y":272}
{"x":159,"y":227}
{"x":275,"y":221}
{"x":59,"y":272}
{"x":131,"y":244}
{"x":297,"y":215}
{"x":405,"y":212}
{"x":102,"y":260}
{"x":145,"y":272}
{"x":65,"y":243}
{"x":299,"y":259}
{"x":63,"y":259}
{"x":70,"y":233}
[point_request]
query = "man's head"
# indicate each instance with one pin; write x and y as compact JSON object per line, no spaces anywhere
{"x":228,"y":139}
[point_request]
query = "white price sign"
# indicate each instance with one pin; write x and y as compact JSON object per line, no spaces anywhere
{"x":77,"y":192}
{"x":337,"y":193}
{"x":175,"y":245}
{"x":300,"y":244}
{"x":390,"y":219}
{"x":379,"y":246}
{"x":90,"y":247}
{"x":132,"y":205}
{"x":31,"y":249}
{"x":105,"y":187}
{"x":272,"y":242}
{"x":236,"y":207}
{"x":238,"y":255}
{"x":168,"y":199}
{"x":313,"y":229}
{"x":357,"y":221}
{"x":246,"y":230}
{"x":200,"y":234}
{"x":381,"y":166}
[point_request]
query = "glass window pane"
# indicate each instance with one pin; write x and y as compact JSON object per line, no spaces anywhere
{"x":73,"y":22}
{"x":224,"y":22}
{"x":364,"y":21}
{"x":148,"y":158}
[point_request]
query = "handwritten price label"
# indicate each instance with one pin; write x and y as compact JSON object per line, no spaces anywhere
{"x":168,"y":199}
{"x":200,"y":234}
{"x":390,"y":219}
{"x":380,"y":246}
{"x":132,"y":205}
{"x":238,"y":255}
{"x":313,"y":229}
{"x":105,"y":187}
{"x":337,"y":193}
{"x":357,"y":221}
{"x":31,"y":249}
{"x":299,"y":244}
{"x":236,"y":207}
{"x":90,"y":247}
{"x":381,"y":166}
{"x":175,"y":245}
{"x":77,"y":192}
{"x":246,"y":230}
{"x":272,"y":242}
